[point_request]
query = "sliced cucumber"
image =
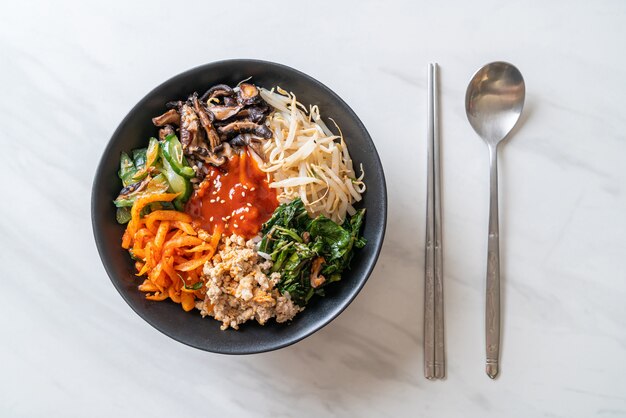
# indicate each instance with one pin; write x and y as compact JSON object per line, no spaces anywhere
{"x":173,"y":153}
{"x":157,"y":184}
{"x":127,"y":170}
{"x":123,"y":215}
{"x":153,"y":152}
{"x":139,"y":155}
{"x":178,"y":184}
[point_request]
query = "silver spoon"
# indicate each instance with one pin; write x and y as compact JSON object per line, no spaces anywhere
{"x":493,"y":103}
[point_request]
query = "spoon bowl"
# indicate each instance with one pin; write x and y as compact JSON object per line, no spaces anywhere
{"x":494,"y":100}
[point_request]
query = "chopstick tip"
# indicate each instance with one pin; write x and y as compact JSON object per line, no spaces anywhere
{"x":492,"y":368}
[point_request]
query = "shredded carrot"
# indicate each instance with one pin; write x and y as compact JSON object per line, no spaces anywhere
{"x":140,"y":236}
{"x":168,"y":215}
{"x":193,"y":275}
{"x":188,"y":301}
{"x":157,"y":296}
{"x":173,"y":294}
{"x":217,"y":235}
{"x":159,"y":239}
{"x":183,"y":241}
{"x":185,"y":227}
{"x":169,"y":252}
{"x":168,"y":267}
{"x":193,"y":264}
{"x":149,"y":259}
{"x":139,"y":252}
{"x":155,"y":273}
{"x":201,"y":247}
{"x":174,"y":234}
{"x":162,"y":280}
{"x":144,"y":269}
{"x":152,"y":227}
{"x":141,"y":203}
{"x":164,"y":215}
{"x":126,"y":239}
{"x":148,"y":286}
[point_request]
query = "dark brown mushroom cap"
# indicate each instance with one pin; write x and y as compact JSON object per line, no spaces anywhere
{"x":175,"y":104}
{"x":263,"y":131}
{"x":205,"y":121}
{"x":204,"y":117}
{"x":250,"y":140}
{"x":245,"y":139}
{"x":171,"y":117}
{"x":256,"y":114}
{"x":206,"y":156}
{"x":213,"y":159}
{"x":189,"y":125}
{"x":218,"y":90}
{"x":248,"y":94}
{"x":230,"y":101}
{"x":221,"y":114}
{"x":224,"y":112}
{"x":245,"y":126}
{"x":237,"y":127}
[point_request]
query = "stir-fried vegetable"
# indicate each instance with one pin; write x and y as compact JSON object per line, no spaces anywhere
{"x":127,"y":170}
{"x":173,"y":153}
{"x":170,"y":252}
{"x":309,"y":253}
{"x":159,"y":168}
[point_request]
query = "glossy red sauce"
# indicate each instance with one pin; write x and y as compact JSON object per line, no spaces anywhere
{"x":234,"y":198}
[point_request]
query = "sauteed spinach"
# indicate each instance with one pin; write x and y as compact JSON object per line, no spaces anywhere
{"x":309,"y":253}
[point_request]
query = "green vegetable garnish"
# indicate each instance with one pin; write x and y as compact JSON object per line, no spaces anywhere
{"x":173,"y":153}
{"x":127,"y":170}
{"x":156,"y":169}
{"x":178,"y":183}
{"x":195,"y":286}
{"x":149,"y":185}
{"x":309,"y":253}
{"x":122,"y":215}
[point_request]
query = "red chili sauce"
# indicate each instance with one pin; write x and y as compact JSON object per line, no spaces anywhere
{"x":234,"y":198}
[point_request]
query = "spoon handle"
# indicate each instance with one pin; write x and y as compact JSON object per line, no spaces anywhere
{"x":492,"y":313}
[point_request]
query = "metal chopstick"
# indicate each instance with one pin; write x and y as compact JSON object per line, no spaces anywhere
{"x":429,"y":263}
{"x":434,"y":343}
{"x":440,"y":360}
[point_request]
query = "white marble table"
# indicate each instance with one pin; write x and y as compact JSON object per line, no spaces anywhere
{"x":71,"y":347}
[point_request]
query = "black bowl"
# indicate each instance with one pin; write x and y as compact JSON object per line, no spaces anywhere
{"x":189,"y":327}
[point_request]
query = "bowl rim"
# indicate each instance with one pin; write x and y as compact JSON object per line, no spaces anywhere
{"x":371,"y":262}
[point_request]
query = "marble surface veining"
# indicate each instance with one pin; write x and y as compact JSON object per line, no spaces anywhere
{"x":71,"y":347}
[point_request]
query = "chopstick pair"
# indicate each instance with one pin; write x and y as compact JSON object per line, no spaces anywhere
{"x":434,"y":342}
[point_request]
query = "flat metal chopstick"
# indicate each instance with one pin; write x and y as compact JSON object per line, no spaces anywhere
{"x":434,"y":343}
